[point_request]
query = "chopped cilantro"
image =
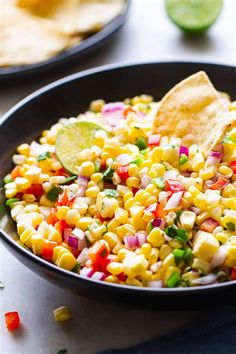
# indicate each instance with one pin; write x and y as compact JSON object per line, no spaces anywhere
{"x":177,"y":218}
{"x":188,"y":255}
{"x":69,"y":179}
{"x":76,"y":268}
{"x":1,"y":285}
{"x":43,"y":156}
{"x":111,"y":193}
{"x":108,"y":174}
{"x":230,"y":225}
{"x":180,"y":235}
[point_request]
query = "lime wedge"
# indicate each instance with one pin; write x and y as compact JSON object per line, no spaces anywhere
{"x":73,"y":138}
{"x":193,"y":16}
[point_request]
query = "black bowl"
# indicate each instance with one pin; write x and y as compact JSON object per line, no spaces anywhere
{"x":71,"y":55}
{"x":68,"y":97}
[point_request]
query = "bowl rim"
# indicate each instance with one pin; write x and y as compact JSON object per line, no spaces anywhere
{"x":15,"y":71}
{"x":73,"y":276}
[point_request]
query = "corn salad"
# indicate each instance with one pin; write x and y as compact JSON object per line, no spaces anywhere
{"x":143,"y":209}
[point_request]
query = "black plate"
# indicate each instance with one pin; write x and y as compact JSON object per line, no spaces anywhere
{"x":68,"y":97}
{"x":70,"y":55}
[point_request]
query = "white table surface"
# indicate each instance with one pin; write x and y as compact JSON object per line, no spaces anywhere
{"x":147,"y":35}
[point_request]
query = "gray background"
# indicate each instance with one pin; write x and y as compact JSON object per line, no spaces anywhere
{"x":147,"y":35}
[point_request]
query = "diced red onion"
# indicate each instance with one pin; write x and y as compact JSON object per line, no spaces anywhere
{"x":124,"y":159}
{"x":66,"y":233}
{"x":219,"y":147}
{"x":219,"y":257}
{"x":158,"y":222}
{"x":82,"y":182}
{"x":72,"y":241}
{"x":184,"y":150}
{"x":141,"y":239}
{"x":196,"y":210}
{"x":113,"y":112}
{"x":145,"y":181}
{"x":81,"y":238}
{"x":98,"y":276}
{"x":208,"y":279}
{"x":131,"y":242}
{"x":155,"y":284}
{"x":83,"y":256}
{"x":174,"y":200}
{"x":86,"y":272}
{"x":214,"y":157}
{"x":217,"y":154}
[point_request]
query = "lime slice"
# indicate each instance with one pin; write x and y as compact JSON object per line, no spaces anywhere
{"x":73,"y":138}
{"x":193,"y":16}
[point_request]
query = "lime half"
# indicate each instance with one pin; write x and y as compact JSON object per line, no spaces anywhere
{"x":73,"y":138}
{"x":193,"y":16}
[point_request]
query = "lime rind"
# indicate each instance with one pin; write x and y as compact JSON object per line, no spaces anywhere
{"x":73,"y":138}
{"x":194,"y":16}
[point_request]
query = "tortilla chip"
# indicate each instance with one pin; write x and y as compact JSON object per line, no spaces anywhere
{"x":75,"y":16}
{"x":195,"y":112}
{"x":26,"y":39}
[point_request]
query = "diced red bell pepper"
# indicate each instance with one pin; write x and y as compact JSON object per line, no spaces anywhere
{"x":47,"y":251}
{"x":154,"y":140}
{"x":36,"y":189}
{"x":128,"y":110}
{"x":16,"y":172}
{"x":60,"y":225}
{"x":233,"y":273}
{"x":160,"y":212}
{"x":220,"y":184}
{"x":94,"y":266}
{"x":209,"y":225}
{"x":122,"y":171}
{"x":233,"y":166}
{"x":52,"y":218}
{"x":61,"y":172}
{"x":122,"y":277}
{"x":12,"y":320}
{"x":173,"y":186}
{"x":99,"y":252}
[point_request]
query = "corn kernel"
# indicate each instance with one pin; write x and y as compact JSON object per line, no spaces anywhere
{"x":115,"y":268}
{"x":156,"y":237}
{"x":201,"y":265}
{"x":164,"y":252}
{"x":187,"y":219}
{"x":62,"y":314}
{"x":133,"y":282}
{"x":84,"y":222}
{"x":132,"y":182}
{"x":87,"y":169}
{"x":24,"y":149}
{"x":169,"y":261}
{"x":153,"y":257}
{"x":111,"y":279}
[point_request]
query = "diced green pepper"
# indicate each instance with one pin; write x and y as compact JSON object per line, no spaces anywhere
{"x":141,"y":143}
{"x":11,"y":201}
{"x":53,"y":193}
